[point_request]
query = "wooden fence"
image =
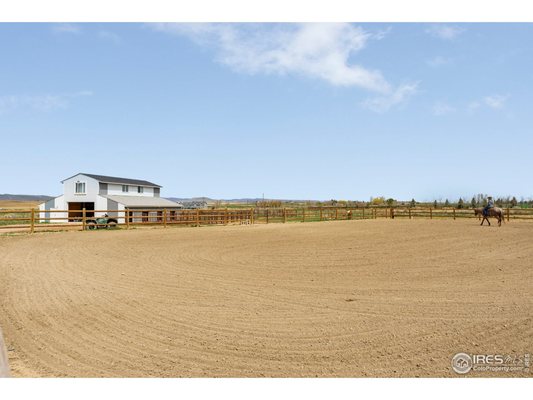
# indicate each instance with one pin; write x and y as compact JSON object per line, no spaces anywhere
{"x":39,"y":220}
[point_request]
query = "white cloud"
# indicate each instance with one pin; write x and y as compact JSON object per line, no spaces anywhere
{"x":46,"y":102}
{"x":440,"y":109}
{"x":322,"y":51}
{"x":445,"y":32}
{"x":438,"y":61}
{"x":496,"y":101}
{"x":66,"y":28}
{"x":382,"y":34}
{"x":313,"y":50}
{"x":393,"y":99}
{"x":110,"y":36}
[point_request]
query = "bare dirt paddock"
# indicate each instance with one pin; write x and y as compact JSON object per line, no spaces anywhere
{"x":344,"y":299}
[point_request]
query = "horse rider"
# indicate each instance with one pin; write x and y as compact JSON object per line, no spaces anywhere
{"x":490,"y":204}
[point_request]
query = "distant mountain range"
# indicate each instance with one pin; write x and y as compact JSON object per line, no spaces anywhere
{"x":24,"y":197}
{"x":43,"y":198}
{"x":210,"y":200}
{"x":241,"y":200}
{"x":189,"y":199}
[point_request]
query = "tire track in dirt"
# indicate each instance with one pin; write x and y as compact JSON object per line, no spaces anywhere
{"x":351,"y":298}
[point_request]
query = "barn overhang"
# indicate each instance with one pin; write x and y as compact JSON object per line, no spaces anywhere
{"x":140,"y":202}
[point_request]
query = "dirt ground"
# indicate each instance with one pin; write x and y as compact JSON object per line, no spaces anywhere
{"x":331,"y":299}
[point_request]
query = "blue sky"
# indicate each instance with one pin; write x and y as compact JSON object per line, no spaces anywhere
{"x":318,"y":111}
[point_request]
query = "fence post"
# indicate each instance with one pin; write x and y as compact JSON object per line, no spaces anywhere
{"x":386,"y":212}
{"x":127,"y":216}
{"x":226,"y":216}
{"x":32,"y":227}
{"x":508,"y":214}
{"x":320,"y":213}
{"x":4,"y":364}
{"x":83,"y":219}
{"x":454,"y":213}
{"x":430,"y":213}
{"x":303,"y":214}
{"x":336,"y":214}
{"x":392,"y":213}
{"x":197,"y":217}
{"x":284,"y":215}
{"x":409,"y":212}
{"x":267,"y":216}
{"x":252,"y":212}
{"x":165,"y":217}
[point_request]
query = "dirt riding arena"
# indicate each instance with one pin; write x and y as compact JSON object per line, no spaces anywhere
{"x":344,"y":299}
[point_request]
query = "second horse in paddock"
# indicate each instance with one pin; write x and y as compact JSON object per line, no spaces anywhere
{"x":494,"y":212}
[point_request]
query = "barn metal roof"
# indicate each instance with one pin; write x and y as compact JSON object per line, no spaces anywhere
{"x":114,"y":179}
{"x":143,"y":201}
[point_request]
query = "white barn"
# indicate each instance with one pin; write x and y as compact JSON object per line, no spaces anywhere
{"x":99,"y":192}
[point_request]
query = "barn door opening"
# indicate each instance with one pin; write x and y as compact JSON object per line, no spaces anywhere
{"x":75,"y":212}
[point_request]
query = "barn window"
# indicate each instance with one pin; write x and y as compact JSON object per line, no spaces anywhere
{"x":125,"y":188}
{"x":80,"y":187}
{"x":140,"y":189}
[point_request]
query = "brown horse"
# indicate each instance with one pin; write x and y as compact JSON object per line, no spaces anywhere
{"x":494,"y":212}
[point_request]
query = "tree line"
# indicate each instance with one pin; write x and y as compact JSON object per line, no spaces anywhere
{"x":478,"y":200}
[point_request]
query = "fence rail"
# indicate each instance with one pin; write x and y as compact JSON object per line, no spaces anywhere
{"x":33,"y":220}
